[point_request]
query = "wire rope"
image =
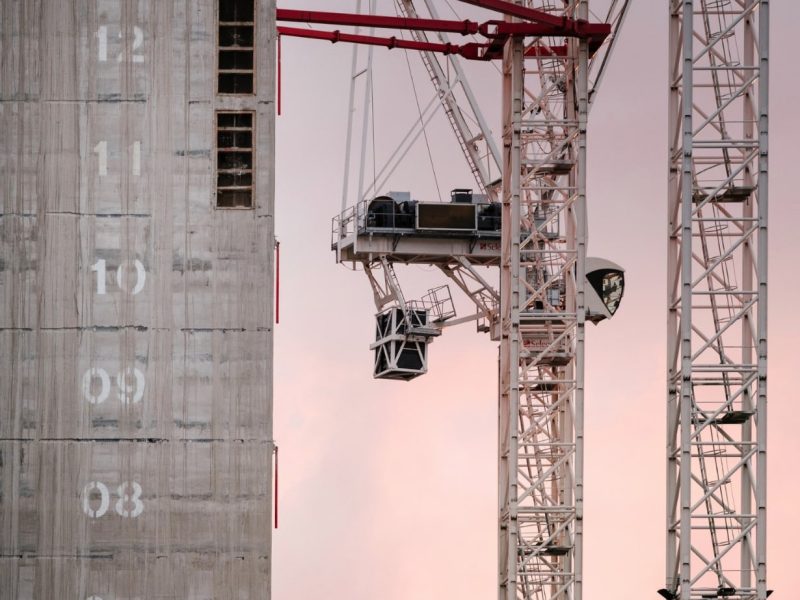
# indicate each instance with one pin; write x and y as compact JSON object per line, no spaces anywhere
{"x":372,"y":114}
{"x":424,"y":130}
{"x":419,"y":112}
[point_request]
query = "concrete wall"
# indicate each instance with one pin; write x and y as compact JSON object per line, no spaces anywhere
{"x":135,"y":424}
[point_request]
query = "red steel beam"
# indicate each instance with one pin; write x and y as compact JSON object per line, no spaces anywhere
{"x":556,"y":26}
{"x":581,"y":29}
{"x":465,"y":27}
{"x":522,"y":12}
{"x":470,"y":51}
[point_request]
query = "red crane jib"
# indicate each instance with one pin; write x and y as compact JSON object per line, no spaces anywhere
{"x":538,"y":24}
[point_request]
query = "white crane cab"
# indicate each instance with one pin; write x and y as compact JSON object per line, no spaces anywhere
{"x":606,"y":285}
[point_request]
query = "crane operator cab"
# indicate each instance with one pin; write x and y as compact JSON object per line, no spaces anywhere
{"x":606,"y":284}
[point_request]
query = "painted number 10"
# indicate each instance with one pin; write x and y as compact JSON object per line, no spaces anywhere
{"x":123,"y":282}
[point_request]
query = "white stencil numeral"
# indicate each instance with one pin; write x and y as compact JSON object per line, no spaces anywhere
{"x":88,"y":508}
{"x":136,"y":44}
{"x":128,"y":499}
{"x":122,"y":276}
{"x":105,"y":385}
{"x":130,"y":385}
{"x":101,"y":150}
{"x":102,"y":43}
{"x":122,"y":280}
{"x":136,"y":158}
{"x":129,"y":504}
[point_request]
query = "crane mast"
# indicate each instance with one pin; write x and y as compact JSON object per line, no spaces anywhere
{"x":717,"y":300}
{"x":543,"y":259}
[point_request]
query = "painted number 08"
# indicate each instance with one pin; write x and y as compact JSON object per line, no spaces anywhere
{"x":122,"y":281}
{"x":127,"y":391}
{"x":128,"y":505}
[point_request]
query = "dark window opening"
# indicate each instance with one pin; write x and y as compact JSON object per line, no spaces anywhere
{"x":234,"y":139}
{"x":236,"y":10}
{"x":229,"y":120}
{"x":234,"y":159}
{"x":235,"y":58}
{"x":234,"y":36}
{"x":235,"y":83}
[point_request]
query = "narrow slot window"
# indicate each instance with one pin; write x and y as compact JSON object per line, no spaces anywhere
{"x":235,"y":159}
{"x":235,"y":59}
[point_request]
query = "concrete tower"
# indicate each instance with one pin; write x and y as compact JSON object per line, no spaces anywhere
{"x":136,"y":286}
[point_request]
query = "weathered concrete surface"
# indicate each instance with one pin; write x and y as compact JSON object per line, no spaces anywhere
{"x":135,"y":318}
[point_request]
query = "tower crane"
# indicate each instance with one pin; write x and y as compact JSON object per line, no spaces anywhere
{"x":717,"y":303}
{"x":537,"y":238}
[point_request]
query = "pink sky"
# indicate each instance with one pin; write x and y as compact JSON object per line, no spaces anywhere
{"x":388,"y":489}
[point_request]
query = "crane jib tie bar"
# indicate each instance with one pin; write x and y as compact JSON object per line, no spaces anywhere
{"x":537,"y":24}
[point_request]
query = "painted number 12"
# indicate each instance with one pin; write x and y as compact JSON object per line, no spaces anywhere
{"x":136,"y":44}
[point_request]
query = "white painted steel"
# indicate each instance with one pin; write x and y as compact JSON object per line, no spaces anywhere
{"x":717,"y":310}
{"x":543,"y":255}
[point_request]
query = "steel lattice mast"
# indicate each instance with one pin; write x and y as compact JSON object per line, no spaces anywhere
{"x":542,"y":319}
{"x":717,"y":313}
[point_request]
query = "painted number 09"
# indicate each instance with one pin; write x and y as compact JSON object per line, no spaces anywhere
{"x":122,"y":282}
{"x":128,"y":505}
{"x":127,"y":391}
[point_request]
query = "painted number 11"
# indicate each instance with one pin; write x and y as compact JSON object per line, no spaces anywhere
{"x":101,"y":149}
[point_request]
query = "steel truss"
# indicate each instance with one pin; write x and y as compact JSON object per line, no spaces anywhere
{"x":545,"y":104}
{"x":717,"y":312}
{"x":547,"y":77}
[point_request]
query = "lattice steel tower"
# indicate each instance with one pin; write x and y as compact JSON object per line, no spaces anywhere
{"x":542,"y":320}
{"x":717,"y":313}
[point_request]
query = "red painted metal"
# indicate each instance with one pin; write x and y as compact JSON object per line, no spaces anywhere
{"x":277,"y":277}
{"x":516,"y":10}
{"x":276,"y":487}
{"x":470,"y":51}
{"x":546,"y":51}
{"x":543,"y":25}
{"x":538,"y":24}
{"x":465,"y":27}
{"x":579,"y":29}
{"x":279,"y":76}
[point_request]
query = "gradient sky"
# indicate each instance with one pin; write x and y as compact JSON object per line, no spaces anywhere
{"x":388,"y":489}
